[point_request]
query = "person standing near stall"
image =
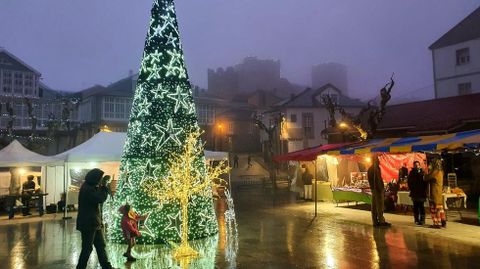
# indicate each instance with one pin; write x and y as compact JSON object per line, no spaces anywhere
{"x":307,"y":179}
{"x":435,"y":197}
{"x":28,"y":188}
{"x":378,"y":193}
{"x":418,"y":192}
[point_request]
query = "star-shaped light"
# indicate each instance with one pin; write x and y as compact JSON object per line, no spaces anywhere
{"x":155,"y":57}
{"x":146,"y":225}
{"x":172,"y":40}
{"x":159,"y":92}
{"x":169,"y":21}
{"x":143,"y":108}
{"x":154,"y":72}
{"x":179,"y":97}
{"x":173,"y":219}
{"x":148,"y":139}
{"x":168,"y":133}
{"x":175,"y":66}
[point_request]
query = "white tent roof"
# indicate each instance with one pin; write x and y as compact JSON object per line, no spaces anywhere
{"x":15,"y":154}
{"x":102,"y":147}
{"x":108,"y":147}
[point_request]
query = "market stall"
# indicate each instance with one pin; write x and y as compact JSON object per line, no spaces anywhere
{"x":24,"y":163}
{"x":393,"y":151}
{"x":322,"y":186}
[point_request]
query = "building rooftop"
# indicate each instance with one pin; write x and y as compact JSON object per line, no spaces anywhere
{"x":307,"y":98}
{"x":467,"y":29}
{"x":436,"y":115}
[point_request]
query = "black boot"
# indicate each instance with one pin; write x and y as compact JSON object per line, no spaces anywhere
{"x":422,"y":220}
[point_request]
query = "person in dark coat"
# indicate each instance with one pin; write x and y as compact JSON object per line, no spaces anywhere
{"x":378,"y":193}
{"x":418,"y":192}
{"x":402,"y":173}
{"x":89,"y":220}
{"x":28,"y":188}
{"x":235,"y":161}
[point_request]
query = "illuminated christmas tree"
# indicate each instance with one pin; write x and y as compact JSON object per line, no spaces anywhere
{"x":163,"y":114}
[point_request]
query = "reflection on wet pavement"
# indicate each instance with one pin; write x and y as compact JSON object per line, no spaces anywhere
{"x":271,"y":235}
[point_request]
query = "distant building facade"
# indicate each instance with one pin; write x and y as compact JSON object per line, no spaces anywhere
{"x":249,"y":76}
{"x":31,"y":110}
{"x":302,"y":118}
{"x":333,"y":73}
{"x":456,"y":59}
{"x":109,"y":108}
{"x":18,"y":82}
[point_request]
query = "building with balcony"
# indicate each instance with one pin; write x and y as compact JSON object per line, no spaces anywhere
{"x":302,"y":118}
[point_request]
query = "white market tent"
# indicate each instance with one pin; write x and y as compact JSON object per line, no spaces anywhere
{"x":16,"y":155}
{"x":104,"y":150}
{"x":102,"y":147}
{"x":108,"y":147}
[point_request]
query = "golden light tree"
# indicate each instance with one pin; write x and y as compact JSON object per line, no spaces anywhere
{"x":188,"y":175}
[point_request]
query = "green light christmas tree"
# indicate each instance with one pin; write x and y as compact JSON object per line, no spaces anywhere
{"x":163,"y":114}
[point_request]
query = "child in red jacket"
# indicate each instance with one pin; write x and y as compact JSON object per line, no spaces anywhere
{"x":130,"y":228}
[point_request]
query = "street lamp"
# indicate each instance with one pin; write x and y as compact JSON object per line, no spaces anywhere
{"x":220,"y":132}
{"x":345,"y":126}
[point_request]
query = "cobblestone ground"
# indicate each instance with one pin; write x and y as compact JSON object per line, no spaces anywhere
{"x":275,"y":231}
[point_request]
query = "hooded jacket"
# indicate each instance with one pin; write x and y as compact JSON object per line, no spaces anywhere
{"x":89,"y":199}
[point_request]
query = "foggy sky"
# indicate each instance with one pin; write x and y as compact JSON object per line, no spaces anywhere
{"x":78,"y":43}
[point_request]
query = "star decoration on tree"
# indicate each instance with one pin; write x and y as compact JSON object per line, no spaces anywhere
{"x":159,"y":92}
{"x":172,"y":41}
{"x":143,"y":108}
{"x":148,"y":140}
{"x":174,"y":223}
{"x":179,"y":97}
{"x":155,"y":57}
{"x":146,"y":225}
{"x":175,"y":66}
{"x":169,"y":21}
{"x":154,"y":72}
{"x":168,"y":133}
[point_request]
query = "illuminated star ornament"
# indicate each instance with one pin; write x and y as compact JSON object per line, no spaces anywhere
{"x":159,"y":124}
{"x":179,"y":96}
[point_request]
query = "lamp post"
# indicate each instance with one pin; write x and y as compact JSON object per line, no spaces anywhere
{"x":220,"y":132}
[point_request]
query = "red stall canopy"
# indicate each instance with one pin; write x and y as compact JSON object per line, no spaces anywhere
{"x":308,"y":154}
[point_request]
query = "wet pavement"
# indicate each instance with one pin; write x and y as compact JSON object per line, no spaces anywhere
{"x":274,"y":231}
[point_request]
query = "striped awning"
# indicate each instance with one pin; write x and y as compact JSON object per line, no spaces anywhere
{"x":431,"y":143}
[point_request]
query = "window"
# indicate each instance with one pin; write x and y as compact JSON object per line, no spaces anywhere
{"x":333,"y":97}
{"x":18,"y":83}
{"x":117,"y":108}
{"x":307,"y":125}
{"x":205,"y":114}
{"x":29,"y":84}
{"x":464,"y":88}
{"x":293,"y":118}
{"x":463,"y":56}
{"x":7,"y":81}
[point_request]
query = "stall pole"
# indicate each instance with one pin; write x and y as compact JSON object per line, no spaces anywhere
{"x":315,"y":189}
{"x":65,"y":178}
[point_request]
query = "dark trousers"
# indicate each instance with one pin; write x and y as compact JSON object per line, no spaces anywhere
{"x":92,"y":238}
{"x":378,"y":207}
{"x":418,"y":210}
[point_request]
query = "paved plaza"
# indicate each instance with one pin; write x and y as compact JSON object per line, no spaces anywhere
{"x":274,"y":231}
